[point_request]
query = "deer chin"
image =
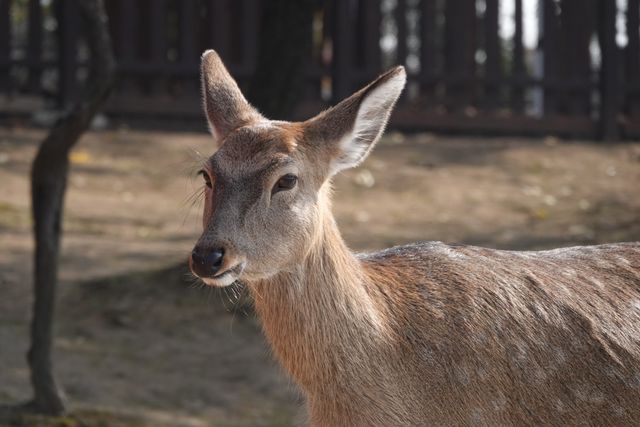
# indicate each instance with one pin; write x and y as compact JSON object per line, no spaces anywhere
{"x":225,"y":278}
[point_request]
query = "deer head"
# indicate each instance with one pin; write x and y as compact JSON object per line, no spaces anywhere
{"x":267,"y":183}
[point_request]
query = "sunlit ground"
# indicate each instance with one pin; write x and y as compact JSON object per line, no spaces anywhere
{"x":137,"y":345}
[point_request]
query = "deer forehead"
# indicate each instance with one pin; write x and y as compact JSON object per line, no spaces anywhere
{"x":255,"y":149}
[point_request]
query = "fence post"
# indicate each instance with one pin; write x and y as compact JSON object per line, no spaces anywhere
{"x":428,"y":52}
{"x":188,"y":22}
{"x":632,"y":75}
{"x":34,"y":45}
{"x":609,"y":75}
{"x":401,"y":24}
{"x":578,"y":22}
{"x":459,"y":53}
{"x":158,"y":47}
{"x":518,"y":71}
{"x":5,"y":46}
{"x":370,"y":34}
{"x":66,"y":15}
{"x":552,"y":51}
{"x":493,"y":71}
{"x":188,"y":54}
{"x":342,"y":41}
{"x":219,"y":25}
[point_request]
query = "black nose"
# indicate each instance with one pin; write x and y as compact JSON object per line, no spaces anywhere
{"x":206,"y":263}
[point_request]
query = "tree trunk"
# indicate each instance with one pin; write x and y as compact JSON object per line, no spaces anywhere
{"x":284,"y":52}
{"x":48,"y":184}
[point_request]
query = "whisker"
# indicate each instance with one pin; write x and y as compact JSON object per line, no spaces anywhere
{"x":190,"y":202}
{"x":244,"y":294}
{"x":194,"y":164}
{"x":256,"y":294}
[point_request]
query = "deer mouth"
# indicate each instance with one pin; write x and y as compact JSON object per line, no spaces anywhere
{"x":226,"y":277}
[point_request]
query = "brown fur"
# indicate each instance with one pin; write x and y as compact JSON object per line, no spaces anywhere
{"x":426,"y":334}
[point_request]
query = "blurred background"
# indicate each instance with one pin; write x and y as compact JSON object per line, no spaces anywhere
{"x":529,"y":67}
{"x":518,"y":129}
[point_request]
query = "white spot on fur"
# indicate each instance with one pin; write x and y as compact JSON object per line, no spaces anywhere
{"x":598,"y":283}
{"x":499,"y":403}
{"x":634,"y":382}
{"x":623,"y":261}
{"x":428,"y":356}
{"x":452,"y":253}
{"x":481,"y":372}
{"x":580,"y":393}
{"x":482,"y":338}
{"x":559,"y":355}
{"x":540,"y":311}
{"x":476,"y":415}
{"x":539,"y":375}
{"x":520,"y":353}
{"x":562,"y":287}
{"x":597,"y":397}
{"x":462,"y":375}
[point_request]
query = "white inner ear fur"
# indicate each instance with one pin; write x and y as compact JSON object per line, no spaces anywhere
{"x":370,"y":122}
{"x":215,"y":133}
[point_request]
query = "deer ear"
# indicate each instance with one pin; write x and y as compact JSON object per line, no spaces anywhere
{"x":351,"y":129}
{"x":224,"y":104}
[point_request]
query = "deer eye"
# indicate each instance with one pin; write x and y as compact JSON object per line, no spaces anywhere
{"x":207,"y":179}
{"x":286,"y":182}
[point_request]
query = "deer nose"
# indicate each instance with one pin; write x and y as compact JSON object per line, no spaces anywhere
{"x":206,"y":262}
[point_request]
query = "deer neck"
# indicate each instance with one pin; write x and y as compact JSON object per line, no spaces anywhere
{"x":319,"y":316}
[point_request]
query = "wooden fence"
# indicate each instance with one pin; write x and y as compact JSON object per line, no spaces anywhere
{"x":581,"y":76}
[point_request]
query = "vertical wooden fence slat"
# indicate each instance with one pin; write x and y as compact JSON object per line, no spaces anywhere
{"x":518,"y":71}
{"x":552,"y":54}
{"x":459,"y":52}
{"x":493,"y":72}
{"x":188,"y":44}
{"x":428,"y":51}
{"x":235,"y":35}
{"x":188,"y":25}
{"x":219,"y":25}
{"x":68,"y":30}
{"x":5,"y":46}
{"x":577,"y":28}
{"x":251,"y":22}
{"x":342,"y":40}
{"x":158,"y":45}
{"x":325,"y":58}
{"x":127,"y":42}
{"x":34,"y":45}
{"x":609,"y":84}
{"x":372,"y":18}
{"x":633,"y":59}
{"x":158,"y":30}
{"x":401,"y":24}
{"x":112,"y":8}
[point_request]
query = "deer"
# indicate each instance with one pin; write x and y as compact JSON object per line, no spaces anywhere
{"x":423,"y":334}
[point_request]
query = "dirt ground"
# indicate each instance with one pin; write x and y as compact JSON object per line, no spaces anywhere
{"x":139,"y":344}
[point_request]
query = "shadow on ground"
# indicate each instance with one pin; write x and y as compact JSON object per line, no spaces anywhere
{"x":139,"y":344}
